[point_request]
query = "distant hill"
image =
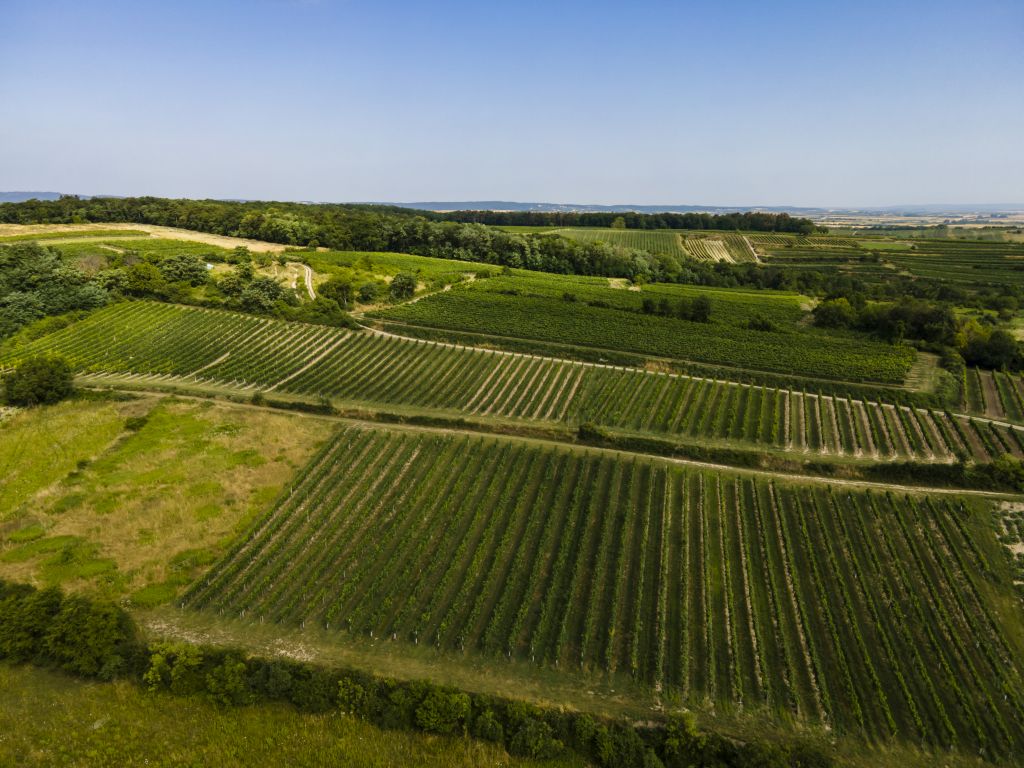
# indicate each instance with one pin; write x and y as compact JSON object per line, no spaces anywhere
{"x":505,"y":205}
{"x":928,"y":209}
{"x":20,"y":197}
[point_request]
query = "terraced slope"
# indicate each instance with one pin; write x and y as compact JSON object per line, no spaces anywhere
{"x":187,"y":346}
{"x":875,"y":613}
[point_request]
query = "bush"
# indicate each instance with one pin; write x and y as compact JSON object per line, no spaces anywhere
{"x":81,"y":636}
{"x":760,"y":323}
{"x":228,"y":684}
{"x":351,"y":696}
{"x":534,"y":738}
{"x":91,"y":639}
{"x":367,"y":293}
{"x":444,"y":712}
{"x":313,"y":690}
{"x":38,"y":381}
{"x":488,"y":727}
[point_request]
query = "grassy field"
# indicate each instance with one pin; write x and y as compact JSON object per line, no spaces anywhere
{"x":843,"y":608}
{"x":142,"y":495}
{"x":46,"y":237}
{"x":47,"y":719}
{"x":361,"y":268}
{"x":38,"y":448}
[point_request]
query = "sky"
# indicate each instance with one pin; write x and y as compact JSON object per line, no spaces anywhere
{"x":832,"y":104}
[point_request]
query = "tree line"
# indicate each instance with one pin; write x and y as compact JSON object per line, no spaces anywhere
{"x":748,"y":221}
{"x":382,"y":228}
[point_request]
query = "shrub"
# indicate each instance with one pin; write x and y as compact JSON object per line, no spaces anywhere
{"x":444,"y":712}
{"x":488,"y":727}
{"x":313,"y":690}
{"x":351,"y":696}
{"x":534,"y":738}
{"x":228,"y":684}
{"x":90,"y":638}
{"x":270,"y":679}
{"x":367,"y":293}
{"x":38,"y":381}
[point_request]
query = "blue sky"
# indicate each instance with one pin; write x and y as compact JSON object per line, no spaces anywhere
{"x":741,"y":103}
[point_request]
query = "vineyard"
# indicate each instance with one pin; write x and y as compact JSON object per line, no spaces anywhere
{"x":664,"y":241}
{"x":720,"y":246}
{"x":870,"y":612}
{"x":803,"y":352}
{"x":167,"y":344}
{"x":996,"y":394}
{"x":958,"y":262}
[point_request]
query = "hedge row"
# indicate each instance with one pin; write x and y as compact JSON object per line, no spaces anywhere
{"x":99,"y":640}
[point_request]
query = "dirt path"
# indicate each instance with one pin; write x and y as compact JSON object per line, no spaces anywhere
{"x":309,"y":281}
{"x":307,"y":277}
{"x":619,"y":452}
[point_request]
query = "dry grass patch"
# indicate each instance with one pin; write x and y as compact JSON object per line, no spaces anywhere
{"x":171,"y":491}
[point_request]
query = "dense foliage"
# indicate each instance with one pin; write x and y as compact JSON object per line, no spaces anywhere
{"x":42,"y":380}
{"x":36,"y":282}
{"x":84,"y":637}
{"x":751,"y":221}
{"x":382,"y":228}
{"x":933,"y":323}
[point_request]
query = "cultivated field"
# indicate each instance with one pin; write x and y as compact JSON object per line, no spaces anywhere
{"x":872,"y":612}
{"x":722,"y":342}
{"x":167,"y":345}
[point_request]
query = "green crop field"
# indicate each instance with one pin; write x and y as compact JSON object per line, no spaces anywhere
{"x":168,"y":345}
{"x":804,"y":351}
{"x":664,"y":241}
{"x":872,"y":612}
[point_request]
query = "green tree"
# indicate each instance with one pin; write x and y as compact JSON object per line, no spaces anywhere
{"x":444,"y":712}
{"x":338,"y":289}
{"x":261,"y":295}
{"x":145,"y":280}
{"x":701,"y":311}
{"x":403,"y":286}
{"x":184,"y":268}
{"x":90,"y":638}
{"x":367,"y":293}
{"x":835,"y":313}
{"x":38,"y":381}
